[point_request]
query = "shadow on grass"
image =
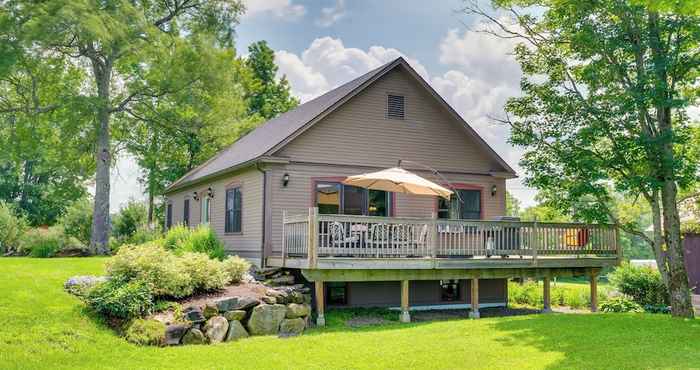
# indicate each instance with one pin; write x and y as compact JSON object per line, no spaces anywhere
{"x":610,"y":341}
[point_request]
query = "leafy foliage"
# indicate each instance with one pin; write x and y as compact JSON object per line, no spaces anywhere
{"x":236,"y":267}
{"x":130,"y":219}
{"x":44,"y":243}
{"x":11,"y":228}
{"x":268,"y":96}
{"x":120,"y":299}
{"x":202,"y":240}
{"x":145,"y":332}
{"x":620,"y":304}
{"x":642,"y":283}
{"x":77,"y":220}
{"x":570,"y":295}
{"x":175,"y":236}
{"x":207,"y":274}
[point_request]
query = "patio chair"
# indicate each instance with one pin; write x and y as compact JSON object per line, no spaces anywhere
{"x":339,"y":238}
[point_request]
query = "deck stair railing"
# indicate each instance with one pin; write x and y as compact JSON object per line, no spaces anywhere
{"x":317,"y":236}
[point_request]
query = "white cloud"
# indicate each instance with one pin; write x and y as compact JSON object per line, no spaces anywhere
{"x":285,"y":9}
{"x":331,"y":15}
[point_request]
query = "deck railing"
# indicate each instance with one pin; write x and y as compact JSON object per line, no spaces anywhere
{"x":317,"y":236}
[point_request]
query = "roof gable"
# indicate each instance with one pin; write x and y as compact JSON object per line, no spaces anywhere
{"x":274,"y":134}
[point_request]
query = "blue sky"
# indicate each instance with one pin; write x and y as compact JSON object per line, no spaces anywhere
{"x":322,"y":44}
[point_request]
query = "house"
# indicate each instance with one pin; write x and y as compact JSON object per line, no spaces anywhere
{"x":275,"y":197}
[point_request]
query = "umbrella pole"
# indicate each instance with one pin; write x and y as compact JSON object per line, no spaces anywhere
{"x":435,"y":172}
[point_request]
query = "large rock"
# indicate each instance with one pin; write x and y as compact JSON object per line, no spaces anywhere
{"x":295,"y":310}
{"x":282,"y":280}
{"x":194,"y":336}
{"x":279,"y":295}
{"x":266,"y":319}
{"x":292,"y":327}
{"x":193,"y":314}
{"x":226,"y":304}
{"x":235,"y":315}
{"x":174,"y":333}
{"x":269,"y":300}
{"x":246,"y":303}
{"x":79,"y":285}
{"x":215,"y":329}
{"x":236,"y":331}
{"x":296,"y":297}
{"x":210,"y":310}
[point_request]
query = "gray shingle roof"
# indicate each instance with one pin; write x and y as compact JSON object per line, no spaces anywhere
{"x":266,"y":136}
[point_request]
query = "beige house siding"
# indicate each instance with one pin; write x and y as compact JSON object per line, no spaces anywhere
{"x":359,"y":132}
{"x":298,"y":195}
{"x":248,"y":243}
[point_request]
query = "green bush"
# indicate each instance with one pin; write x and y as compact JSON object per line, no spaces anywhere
{"x":202,"y":240}
{"x":77,"y":220}
{"x":175,"y":236}
{"x":236,"y":267}
{"x":145,"y":234}
{"x":11,"y":228}
{"x":207,"y":274}
{"x":620,"y":304}
{"x":146,"y":332}
{"x":570,"y":295}
{"x":643,"y":284}
{"x":657,"y":308}
{"x":121,"y":299}
{"x":150,"y":263}
{"x":44,"y":243}
{"x":129,"y":220}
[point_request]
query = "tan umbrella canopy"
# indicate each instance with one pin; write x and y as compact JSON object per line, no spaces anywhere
{"x":398,"y":180}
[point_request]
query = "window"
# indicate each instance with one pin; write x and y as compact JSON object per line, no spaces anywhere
{"x":395,"y":106}
{"x":169,"y":216}
{"x":337,"y":293}
{"x":336,"y":198}
{"x":233,"y":211}
{"x":469,"y":208}
{"x":449,"y":290}
{"x":205,"y":210}
{"x":186,"y":213}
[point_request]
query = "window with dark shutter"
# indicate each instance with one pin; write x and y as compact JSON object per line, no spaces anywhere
{"x":169,"y":216}
{"x":186,"y":213}
{"x":233,"y":211}
{"x":395,"y":107}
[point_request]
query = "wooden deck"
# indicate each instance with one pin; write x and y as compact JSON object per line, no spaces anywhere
{"x":343,"y":242}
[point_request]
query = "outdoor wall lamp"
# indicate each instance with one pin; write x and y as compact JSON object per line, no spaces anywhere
{"x":493,"y":190}
{"x":210,"y":192}
{"x":195,"y":196}
{"x":285,"y":180}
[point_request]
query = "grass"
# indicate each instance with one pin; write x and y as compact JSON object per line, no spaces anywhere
{"x":43,"y":327}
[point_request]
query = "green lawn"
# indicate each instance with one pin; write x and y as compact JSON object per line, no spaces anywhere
{"x":43,"y":327}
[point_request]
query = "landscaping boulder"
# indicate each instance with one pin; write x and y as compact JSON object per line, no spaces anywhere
{"x":282,"y":280}
{"x":194,"y":336}
{"x":226,"y":304}
{"x":193,"y":314}
{"x":174,"y":333}
{"x":245,"y":303}
{"x":307,"y":298}
{"x":295,"y":310}
{"x":296,"y":297}
{"x":210,"y":310}
{"x":292,"y":327}
{"x":79,"y":285}
{"x":266,"y":319}
{"x":215,"y":329}
{"x":269,"y":300}
{"x":236,"y":331}
{"x":235,"y":315}
{"x":279,"y":295}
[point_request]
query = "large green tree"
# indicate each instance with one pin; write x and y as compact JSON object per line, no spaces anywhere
{"x":268,"y":96}
{"x":603,"y":109}
{"x":119,"y":42}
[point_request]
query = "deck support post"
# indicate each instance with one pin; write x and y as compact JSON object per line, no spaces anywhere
{"x":320,"y":302}
{"x":594,"y":290}
{"x":474,"y":313}
{"x":546,"y":295}
{"x":405,"y":315}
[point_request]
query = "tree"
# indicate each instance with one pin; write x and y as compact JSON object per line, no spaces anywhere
{"x":603,"y":108}
{"x":268,"y":96}
{"x":512,"y":205}
{"x":120,"y":41}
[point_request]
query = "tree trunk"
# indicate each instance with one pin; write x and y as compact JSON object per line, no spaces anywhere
{"x":659,"y":252}
{"x":99,"y":241}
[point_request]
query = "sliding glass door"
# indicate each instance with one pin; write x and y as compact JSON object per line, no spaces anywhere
{"x":336,"y":198}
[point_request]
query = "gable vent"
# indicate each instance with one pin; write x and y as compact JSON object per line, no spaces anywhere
{"x":395,"y":106}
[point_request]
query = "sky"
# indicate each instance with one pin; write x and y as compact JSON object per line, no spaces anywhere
{"x":320,"y":45}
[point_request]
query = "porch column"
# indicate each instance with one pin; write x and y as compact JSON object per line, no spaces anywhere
{"x":546,"y":296}
{"x":320,"y":303}
{"x":594,"y":290}
{"x":405,"y":316}
{"x":474,"y":313}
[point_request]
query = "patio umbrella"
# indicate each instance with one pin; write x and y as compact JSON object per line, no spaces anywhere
{"x":398,"y":180}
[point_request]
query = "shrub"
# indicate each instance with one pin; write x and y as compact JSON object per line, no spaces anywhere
{"x":44,"y":243}
{"x":121,"y":299}
{"x":620,"y":304}
{"x":202,"y":240}
{"x":146,"y":332}
{"x":236,"y":267}
{"x":129,"y":220}
{"x":643,"y":284}
{"x":206,"y":273}
{"x":11,"y":228}
{"x":658,"y":308}
{"x":77,"y":220}
{"x":150,"y":263}
{"x":145,"y":234}
{"x":175,"y":236}
{"x":570,"y":295}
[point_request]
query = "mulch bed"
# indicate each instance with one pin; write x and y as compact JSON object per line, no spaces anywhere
{"x":243,"y":289}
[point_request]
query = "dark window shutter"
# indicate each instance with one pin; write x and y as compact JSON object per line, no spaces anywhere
{"x":233,"y":211}
{"x":169,"y":216}
{"x":186,"y":213}
{"x":396,"y":107}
